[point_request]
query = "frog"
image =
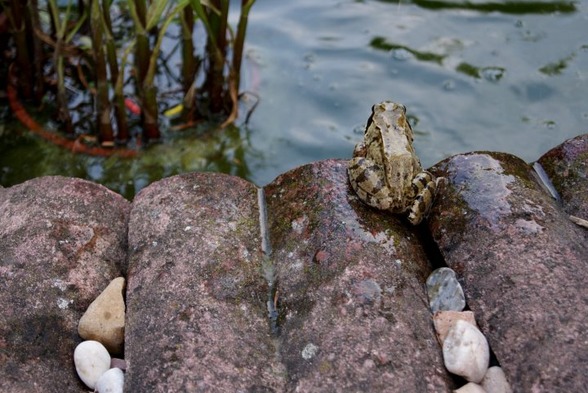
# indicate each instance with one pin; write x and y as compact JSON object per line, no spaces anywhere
{"x":385,"y":171}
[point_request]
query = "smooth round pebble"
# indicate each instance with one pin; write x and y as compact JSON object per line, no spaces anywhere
{"x":466,"y":352}
{"x":444,"y":291}
{"x":470,"y":388}
{"x":112,"y":381}
{"x":443,"y":320}
{"x":495,"y":381}
{"x":91,"y":360}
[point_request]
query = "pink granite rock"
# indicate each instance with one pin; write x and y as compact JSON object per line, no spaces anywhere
{"x":522,"y":264}
{"x":61,"y":242}
{"x":196,"y":296}
{"x":567,"y":167}
{"x":346,"y":290}
{"x":353,"y":309}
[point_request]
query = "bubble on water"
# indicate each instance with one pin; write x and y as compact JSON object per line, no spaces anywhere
{"x":492,"y":74}
{"x":449,"y":85}
{"x":400,"y":54}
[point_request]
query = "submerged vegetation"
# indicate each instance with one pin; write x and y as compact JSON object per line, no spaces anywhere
{"x":104,"y":70}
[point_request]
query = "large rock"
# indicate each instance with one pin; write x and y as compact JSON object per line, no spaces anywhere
{"x":353,"y":311}
{"x":196,"y":296}
{"x":567,"y":166}
{"x":522,"y":264}
{"x":61,"y":242}
{"x":340,"y":303}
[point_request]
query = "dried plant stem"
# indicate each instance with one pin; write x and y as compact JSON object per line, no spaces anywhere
{"x":189,"y":63}
{"x":105,"y":132}
{"x":122,"y":135}
{"x":60,"y":26}
{"x":217,"y":55}
{"x":15,"y":11}
{"x":240,"y":41}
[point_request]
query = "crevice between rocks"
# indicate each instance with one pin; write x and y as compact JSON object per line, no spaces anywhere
{"x":267,"y":266}
{"x":436,"y":260}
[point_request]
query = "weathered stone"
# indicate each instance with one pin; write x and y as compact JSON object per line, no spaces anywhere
{"x":61,"y":242}
{"x":495,"y":381}
{"x":522,"y":265}
{"x":118,"y":363}
{"x":443,"y":320}
{"x":196,"y":296}
{"x":567,"y":167}
{"x":104,"y":320}
{"x":466,"y":352}
{"x":351,"y":298}
{"x":444,"y":291}
{"x":470,"y":388}
{"x":91,"y":360}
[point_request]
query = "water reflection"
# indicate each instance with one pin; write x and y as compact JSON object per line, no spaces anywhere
{"x":492,"y":73}
{"x":504,"y":7}
{"x":403,"y":52}
{"x":474,"y":80}
{"x":382,"y":44}
{"x":26,"y":156}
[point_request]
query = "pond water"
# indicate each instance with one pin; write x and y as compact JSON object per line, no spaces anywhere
{"x":500,"y":75}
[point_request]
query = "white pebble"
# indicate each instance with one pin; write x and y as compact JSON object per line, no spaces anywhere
{"x":470,"y":388}
{"x":443,"y":320}
{"x":111,"y":381}
{"x":495,"y":381}
{"x":466,"y":352}
{"x":91,"y":360}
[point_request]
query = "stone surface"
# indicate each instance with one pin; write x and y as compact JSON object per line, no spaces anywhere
{"x":104,"y":320}
{"x":522,"y":265}
{"x":112,"y":381}
{"x":62,"y":241}
{"x":495,"y":381}
{"x":470,"y":388}
{"x":567,"y":167}
{"x":444,"y":291}
{"x":91,"y":360}
{"x":196,"y":295}
{"x":351,"y":299}
{"x":443,"y":320}
{"x":118,"y":363}
{"x":466,"y":352}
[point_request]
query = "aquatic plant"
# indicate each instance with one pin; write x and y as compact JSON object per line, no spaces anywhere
{"x":108,"y":54}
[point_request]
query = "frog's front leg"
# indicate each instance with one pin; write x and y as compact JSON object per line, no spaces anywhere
{"x":425,"y":187}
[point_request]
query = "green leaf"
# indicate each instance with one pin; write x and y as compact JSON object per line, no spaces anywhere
{"x":154,"y":13}
{"x":153,"y":60}
{"x":197,"y":6}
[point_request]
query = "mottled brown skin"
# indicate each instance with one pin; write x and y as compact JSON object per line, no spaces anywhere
{"x":385,"y":171}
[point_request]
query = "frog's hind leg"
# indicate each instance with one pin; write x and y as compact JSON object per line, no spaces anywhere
{"x":424,"y":186}
{"x":366,"y":180}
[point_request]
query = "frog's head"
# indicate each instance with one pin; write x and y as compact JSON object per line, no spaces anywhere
{"x":400,"y":161}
